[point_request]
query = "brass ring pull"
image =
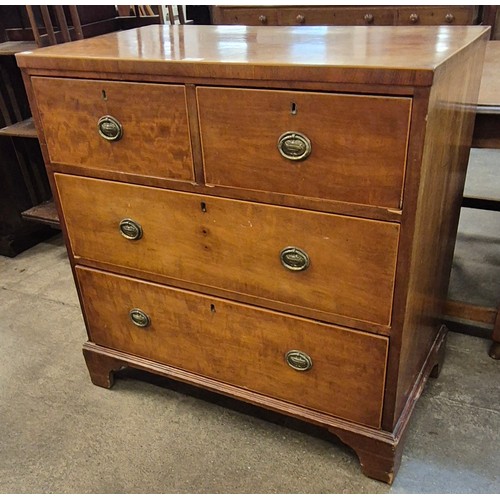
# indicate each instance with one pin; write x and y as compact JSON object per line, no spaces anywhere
{"x":294,"y":259}
{"x":110,"y":128}
{"x":298,"y":360}
{"x":130,"y":229}
{"x":139,"y":318}
{"x":294,"y":146}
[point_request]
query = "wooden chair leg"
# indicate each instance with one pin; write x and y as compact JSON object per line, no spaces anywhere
{"x":495,"y":337}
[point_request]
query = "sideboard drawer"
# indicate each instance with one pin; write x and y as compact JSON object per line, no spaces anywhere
{"x":434,"y":15}
{"x":241,"y":345}
{"x":357,"y":143}
{"x":340,"y":16}
{"x":237,"y":246}
{"x":154,"y":131}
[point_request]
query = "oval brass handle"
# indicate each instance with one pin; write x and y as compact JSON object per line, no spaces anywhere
{"x":110,"y":128}
{"x":298,"y":360}
{"x":294,"y":259}
{"x":413,"y":18}
{"x":300,"y":19}
{"x":139,"y":318}
{"x":130,"y":229}
{"x":449,"y":18}
{"x":294,"y":146}
{"x":262,"y":19}
{"x":369,"y":18}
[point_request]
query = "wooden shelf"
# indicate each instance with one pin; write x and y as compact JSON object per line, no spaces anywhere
{"x":45,"y":213}
{"x":11,"y":48}
{"x":25,"y":129}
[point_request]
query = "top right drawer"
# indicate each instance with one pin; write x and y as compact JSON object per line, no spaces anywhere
{"x":342,"y":147}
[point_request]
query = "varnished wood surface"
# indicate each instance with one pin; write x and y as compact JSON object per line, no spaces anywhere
{"x":235,"y":246}
{"x":434,"y":218}
{"x":397,"y":55}
{"x":489,"y":93}
{"x":358,"y":143}
{"x":25,"y":128}
{"x":155,"y":140}
{"x":240,"y":345}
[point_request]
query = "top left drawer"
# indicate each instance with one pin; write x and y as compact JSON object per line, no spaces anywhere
{"x":134,"y":128}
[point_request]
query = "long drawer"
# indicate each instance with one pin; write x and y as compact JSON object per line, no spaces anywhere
{"x":137,"y":128}
{"x":337,"y":371}
{"x":350,"y":148}
{"x":322,"y":262}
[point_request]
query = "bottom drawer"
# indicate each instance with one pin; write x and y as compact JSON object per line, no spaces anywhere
{"x":241,"y":345}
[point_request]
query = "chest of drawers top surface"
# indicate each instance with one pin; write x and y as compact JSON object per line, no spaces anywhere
{"x":390,"y":55}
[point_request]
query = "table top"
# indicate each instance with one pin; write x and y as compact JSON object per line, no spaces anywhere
{"x":404,"y":55}
{"x":489,"y":93}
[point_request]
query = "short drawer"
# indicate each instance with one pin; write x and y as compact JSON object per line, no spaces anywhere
{"x":322,"y":262}
{"x":336,"y":371}
{"x":350,"y":148}
{"x":341,"y":16}
{"x":430,"y":16}
{"x":137,"y":128}
{"x":249,"y":17}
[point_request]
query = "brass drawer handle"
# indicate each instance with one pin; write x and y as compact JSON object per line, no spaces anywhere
{"x":139,"y":318}
{"x":298,"y":360}
{"x":294,"y":146}
{"x":294,"y":259}
{"x":110,"y":128}
{"x":130,"y":229}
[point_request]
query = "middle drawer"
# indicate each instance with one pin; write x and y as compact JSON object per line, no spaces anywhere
{"x":324,"y":263}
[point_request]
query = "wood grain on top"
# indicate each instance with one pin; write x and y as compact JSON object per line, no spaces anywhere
{"x":377,"y":54}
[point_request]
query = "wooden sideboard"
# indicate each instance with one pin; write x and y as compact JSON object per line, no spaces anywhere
{"x":370,"y":15}
{"x":267,"y":213}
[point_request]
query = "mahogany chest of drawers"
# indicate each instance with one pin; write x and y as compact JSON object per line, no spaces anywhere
{"x":268,"y":213}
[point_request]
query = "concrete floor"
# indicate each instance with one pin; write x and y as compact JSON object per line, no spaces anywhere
{"x":61,"y":434}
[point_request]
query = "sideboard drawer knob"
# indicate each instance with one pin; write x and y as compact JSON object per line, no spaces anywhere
{"x":294,"y":146}
{"x":263,"y":19}
{"x":110,"y":128}
{"x":294,"y":259}
{"x":300,"y":19}
{"x":298,"y":360}
{"x":130,"y":229}
{"x":414,"y":18}
{"x":139,"y":318}
{"x":449,"y":18}
{"x":369,"y":18}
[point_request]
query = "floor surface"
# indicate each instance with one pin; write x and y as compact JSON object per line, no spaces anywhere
{"x":61,"y":434}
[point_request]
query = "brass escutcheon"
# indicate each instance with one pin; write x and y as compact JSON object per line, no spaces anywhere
{"x":294,"y":146}
{"x":298,"y":360}
{"x":110,"y":128}
{"x":294,"y":259}
{"x":130,"y":229}
{"x":139,"y":318}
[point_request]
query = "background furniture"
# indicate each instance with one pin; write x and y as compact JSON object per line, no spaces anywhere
{"x":283,"y":226}
{"x":23,"y":178}
{"x":346,"y":15}
{"x":486,"y":135}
